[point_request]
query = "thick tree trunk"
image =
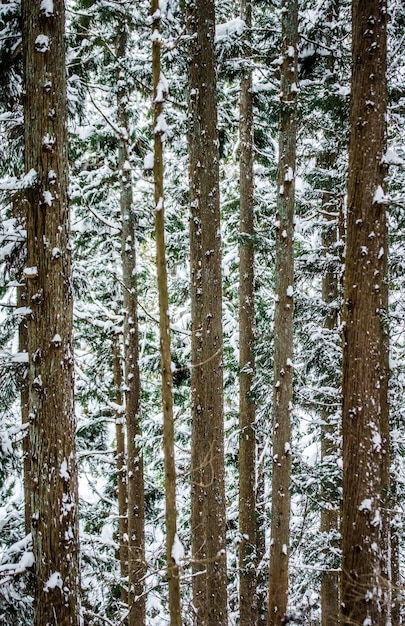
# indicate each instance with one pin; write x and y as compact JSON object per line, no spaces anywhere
{"x":52,"y":425}
{"x":247,"y":406}
{"x":135,"y":482}
{"x":172,"y":554}
{"x":364,"y":592}
{"x":208,"y":516}
{"x":120,"y":460}
{"x":283,"y":321}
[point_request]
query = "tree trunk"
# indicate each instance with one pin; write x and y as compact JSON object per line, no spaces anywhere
{"x":208,"y":516}
{"x":135,"y":482}
{"x":121,"y":466}
{"x":24,"y":401}
{"x":331,"y":288}
{"x":52,"y":425}
{"x":247,"y":406}
{"x":283,"y":321}
{"x":330,"y":605}
{"x":364,"y":592}
{"x":172,"y":556}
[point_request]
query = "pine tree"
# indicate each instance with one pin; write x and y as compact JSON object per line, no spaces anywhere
{"x":208,"y":516}
{"x":135,"y":470}
{"x":364,"y":592}
{"x":247,"y":406}
{"x":54,"y":523}
{"x":160,"y":90}
{"x":283,"y":321}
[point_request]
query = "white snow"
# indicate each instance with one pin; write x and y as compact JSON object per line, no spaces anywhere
{"x":366,"y":504}
{"x":42,"y":43}
{"x":290,"y":52}
{"x":54,"y":580}
{"x":380,"y":197}
{"x":48,"y":198}
{"x":31,"y":272}
{"x":48,"y":141}
{"x":177,"y":550}
{"x":229,"y":29}
{"x":392,"y":158}
{"x":377,"y":441}
{"x":47,"y":7}
{"x":29,"y":178}
{"x":14,"y":184}
{"x":290,"y":291}
{"x":148,"y":161}
{"x":161,"y":126}
{"x":23,"y":310}
{"x":27,"y":560}
{"x":284,"y":549}
{"x":20,"y":357}
{"x":289,"y":175}
{"x":162,"y":88}
{"x":159,"y":204}
{"x":376,"y":521}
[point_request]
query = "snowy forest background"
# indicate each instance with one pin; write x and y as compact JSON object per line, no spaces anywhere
{"x":94,"y":135}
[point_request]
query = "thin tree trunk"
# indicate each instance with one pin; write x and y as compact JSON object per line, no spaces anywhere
{"x":283,"y":321}
{"x":330,"y":605}
{"x":172,"y":556}
{"x":52,"y":425}
{"x":262,"y":573}
{"x":24,"y":402}
{"x":365,"y":536}
{"x":135,"y":482}
{"x":247,"y":406}
{"x":332,"y":206}
{"x":395,"y":563}
{"x":120,"y":460}
{"x":208,"y":515}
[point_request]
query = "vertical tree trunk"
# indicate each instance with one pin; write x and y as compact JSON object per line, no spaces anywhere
{"x":121,"y":466}
{"x":261,"y":537}
{"x":135,"y":482}
{"x":159,"y":95}
{"x":208,"y":516}
{"x":332,"y":206}
{"x":365,"y":407}
{"x":330,"y":605}
{"x":247,"y":407}
{"x":54,"y":521}
{"x":283,"y":321}
{"x":24,"y":401}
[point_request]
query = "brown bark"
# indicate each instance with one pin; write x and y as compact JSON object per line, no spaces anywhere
{"x":330,"y":605}
{"x":208,"y":516}
{"x":364,"y":592}
{"x":247,"y":406}
{"x":120,"y":460}
{"x":331,"y":287}
{"x":283,"y":321}
{"x":24,"y":401}
{"x":159,"y":95}
{"x":52,"y":424}
{"x":135,"y":482}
